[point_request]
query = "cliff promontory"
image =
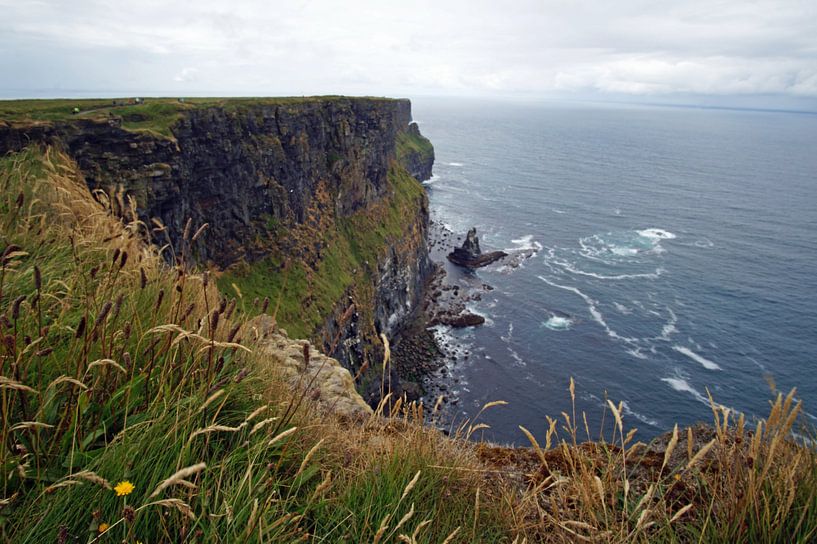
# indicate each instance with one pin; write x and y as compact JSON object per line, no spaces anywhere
{"x":309,"y":204}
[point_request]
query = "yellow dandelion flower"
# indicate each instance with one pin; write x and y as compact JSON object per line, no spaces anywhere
{"x":103,"y":527}
{"x":677,"y":477}
{"x":124,"y":488}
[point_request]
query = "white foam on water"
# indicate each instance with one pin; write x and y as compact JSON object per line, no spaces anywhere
{"x":457,"y":164}
{"x":623,"y":251}
{"x":516,"y":357}
{"x":669,"y":327}
{"x":594,"y":311}
{"x":570,"y":268}
{"x":703,"y":361}
{"x":682,"y":386}
{"x":640,"y":417}
{"x":507,"y":339}
{"x":622,"y":309}
{"x":704,"y":243}
{"x":525,"y":243}
{"x":557,"y":323}
{"x":656,"y":234}
{"x":434,"y":178}
{"x":759,"y":365}
{"x":636,"y":352}
{"x":488,"y":321}
{"x":554,"y":210}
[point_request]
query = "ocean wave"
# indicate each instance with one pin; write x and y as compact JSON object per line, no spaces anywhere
{"x":656,"y":234}
{"x":558,"y":323}
{"x":433,"y":179}
{"x":470,"y":308}
{"x":622,"y":309}
{"x":637,"y":353}
{"x":682,"y":386}
{"x":525,"y":243}
{"x":573,"y":270}
{"x":669,"y":327}
{"x":455,"y":164}
{"x":614,"y":247}
{"x":624,"y":251}
{"x":667,"y":330}
{"x":594,"y":311}
{"x":703,"y":361}
{"x":555,"y":210}
{"x":640,"y":417}
{"x":516,"y":357}
{"x":507,"y":339}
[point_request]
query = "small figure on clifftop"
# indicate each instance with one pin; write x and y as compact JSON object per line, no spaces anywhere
{"x":470,"y":256}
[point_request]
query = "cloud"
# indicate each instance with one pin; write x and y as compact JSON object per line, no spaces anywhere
{"x":628,"y":47}
{"x":187,"y":74}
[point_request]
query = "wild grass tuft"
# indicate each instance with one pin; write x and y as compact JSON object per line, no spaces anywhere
{"x":135,"y":408}
{"x":117,"y":367}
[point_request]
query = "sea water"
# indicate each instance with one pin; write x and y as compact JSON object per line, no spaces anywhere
{"x":666,"y":254}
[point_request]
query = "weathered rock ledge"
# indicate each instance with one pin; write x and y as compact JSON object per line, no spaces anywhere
{"x":318,"y":377}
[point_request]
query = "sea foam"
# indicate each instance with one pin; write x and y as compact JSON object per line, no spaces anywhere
{"x":557,"y":323}
{"x":656,"y":234}
{"x":703,"y":361}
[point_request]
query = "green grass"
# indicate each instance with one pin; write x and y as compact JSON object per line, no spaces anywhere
{"x":411,"y":143}
{"x":155,"y":115}
{"x":107,"y":377}
{"x":304,"y":296}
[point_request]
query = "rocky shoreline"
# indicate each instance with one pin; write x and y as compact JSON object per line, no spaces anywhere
{"x":420,"y":356}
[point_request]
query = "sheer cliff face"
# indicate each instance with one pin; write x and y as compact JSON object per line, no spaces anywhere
{"x":293,"y":189}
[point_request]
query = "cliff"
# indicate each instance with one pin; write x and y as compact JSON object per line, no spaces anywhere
{"x":309,"y":203}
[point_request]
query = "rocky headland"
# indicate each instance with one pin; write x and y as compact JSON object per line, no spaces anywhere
{"x":310,"y":207}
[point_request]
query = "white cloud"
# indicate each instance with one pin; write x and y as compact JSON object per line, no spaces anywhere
{"x":631,"y":47}
{"x":187,"y":74}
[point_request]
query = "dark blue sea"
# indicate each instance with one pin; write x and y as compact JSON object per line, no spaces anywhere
{"x":665,"y":252}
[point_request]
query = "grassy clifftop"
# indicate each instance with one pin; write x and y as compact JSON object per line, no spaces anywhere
{"x":117,"y":367}
{"x":155,"y":115}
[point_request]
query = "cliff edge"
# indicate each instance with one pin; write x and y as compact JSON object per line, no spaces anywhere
{"x":311,"y":206}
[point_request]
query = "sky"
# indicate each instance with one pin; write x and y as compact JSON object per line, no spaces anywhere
{"x":758,"y":53}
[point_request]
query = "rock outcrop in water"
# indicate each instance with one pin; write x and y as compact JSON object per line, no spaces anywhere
{"x":469,"y":254}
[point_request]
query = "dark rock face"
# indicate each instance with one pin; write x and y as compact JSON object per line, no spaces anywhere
{"x":418,"y":159}
{"x":248,"y":172}
{"x":237,"y":171}
{"x":459,"y":321}
{"x":470,"y":256}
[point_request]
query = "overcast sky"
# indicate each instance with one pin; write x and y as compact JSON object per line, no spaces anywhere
{"x":729,"y":50}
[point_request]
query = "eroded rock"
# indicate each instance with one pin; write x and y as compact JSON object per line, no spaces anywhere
{"x":469,"y":254}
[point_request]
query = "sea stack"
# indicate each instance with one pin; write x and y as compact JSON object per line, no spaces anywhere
{"x":470,"y":256}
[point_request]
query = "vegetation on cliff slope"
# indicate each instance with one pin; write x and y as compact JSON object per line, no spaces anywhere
{"x":411,"y":142}
{"x":119,"y":368}
{"x":305,"y":295}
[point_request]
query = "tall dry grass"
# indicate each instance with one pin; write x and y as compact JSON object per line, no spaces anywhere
{"x":117,"y":366}
{"x":725,"y":482}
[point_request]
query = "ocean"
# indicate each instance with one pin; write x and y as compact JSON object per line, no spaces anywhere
{"x":665,"y":253}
